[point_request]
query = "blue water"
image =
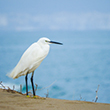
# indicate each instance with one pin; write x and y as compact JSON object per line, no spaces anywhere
{"x":76,"y":68}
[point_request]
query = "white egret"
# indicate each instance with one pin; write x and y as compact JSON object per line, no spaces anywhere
{"x":31,"y":59}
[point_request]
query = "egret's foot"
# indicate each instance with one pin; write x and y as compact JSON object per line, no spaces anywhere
{"x":27,"y":96}
{"x":38,"y":97}
{"x":34,"y":97}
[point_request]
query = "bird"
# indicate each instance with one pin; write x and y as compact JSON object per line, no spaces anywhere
{"x":31,"y":59}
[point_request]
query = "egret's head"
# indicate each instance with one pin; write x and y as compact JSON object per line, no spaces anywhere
{"x":45,"y":40}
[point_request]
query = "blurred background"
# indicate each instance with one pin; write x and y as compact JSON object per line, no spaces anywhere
{"x":73,"y":70}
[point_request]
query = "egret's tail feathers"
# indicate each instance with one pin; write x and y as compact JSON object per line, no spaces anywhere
{"x":15,"y":73}
{"x":11,"y":74}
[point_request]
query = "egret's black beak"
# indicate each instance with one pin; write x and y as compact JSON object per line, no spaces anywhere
{"x":53,"y":42}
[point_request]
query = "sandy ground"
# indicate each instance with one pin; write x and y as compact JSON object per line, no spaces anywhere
{"x":16,"y":101}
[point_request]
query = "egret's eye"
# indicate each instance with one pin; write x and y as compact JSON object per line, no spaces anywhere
{"x":46,"y":41}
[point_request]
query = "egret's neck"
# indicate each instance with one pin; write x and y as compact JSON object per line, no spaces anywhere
{"x":44,"y":47}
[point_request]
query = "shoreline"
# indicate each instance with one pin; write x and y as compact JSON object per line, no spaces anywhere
{"x":17,"y":101}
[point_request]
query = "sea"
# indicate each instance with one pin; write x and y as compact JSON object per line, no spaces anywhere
{"x":77,"y":70}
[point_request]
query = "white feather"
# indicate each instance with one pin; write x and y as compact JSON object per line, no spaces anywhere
{"x":31,"y":58}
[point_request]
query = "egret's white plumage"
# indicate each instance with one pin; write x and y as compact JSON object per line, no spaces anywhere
{"x":31,"y":58}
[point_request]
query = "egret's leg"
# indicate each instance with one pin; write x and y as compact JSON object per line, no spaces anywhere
{"x":32,"y":83}
{"x":26,"y":84}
